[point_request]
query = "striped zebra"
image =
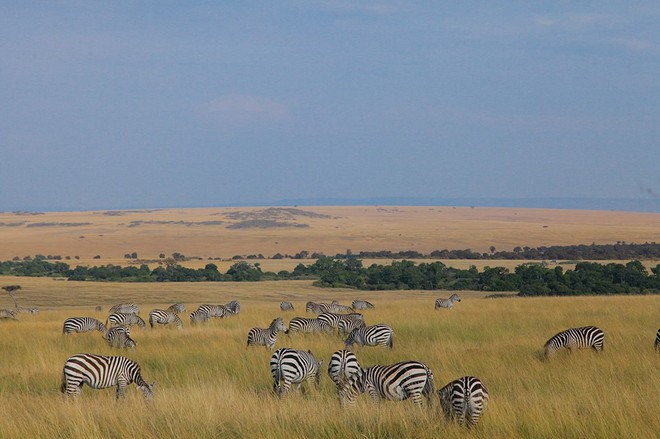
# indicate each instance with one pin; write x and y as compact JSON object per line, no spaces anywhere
{"x":336,"y":307}
{"x":343,"y":366}
{"x":219,"y":311}
{"x":446,"y":303}
{"x":82,"y":324}
{"x":575,"y":338}
{"x":120,"y":337}
{"x":286,"y":306}
{"x":125,"y":308}
{"x":122,"y":319}
{"x":289,"y":366}
{"x":396,"y":382}
{"x":101,"y":372}
{"x":333,"y":319}
{"x":266,"y":336}
{"x":177,"y":308}
{"x":464,"y":399}
{"x":302,"y":324}
{"x":8,"y":314}
{"x":198,"y":316}
{"x":362,"y":304}
{"x":371,"y":336}
{"x":164,"y":318}
{"x":233,"y":307}
{"x":657,"y":342}
{"x":313,"y":307}
{"x":347,"y":324}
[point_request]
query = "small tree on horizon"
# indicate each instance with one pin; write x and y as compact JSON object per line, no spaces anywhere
{"x":11,"y":290}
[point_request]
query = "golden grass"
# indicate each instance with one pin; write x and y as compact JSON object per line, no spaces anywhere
{"x":210,"y":385}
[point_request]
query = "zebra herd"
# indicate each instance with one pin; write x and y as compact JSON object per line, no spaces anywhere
{"x":463,"y":400}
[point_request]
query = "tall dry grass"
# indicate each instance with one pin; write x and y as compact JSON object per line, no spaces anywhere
{"x":208,"y":384}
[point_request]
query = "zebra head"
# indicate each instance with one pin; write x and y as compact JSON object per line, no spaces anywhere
{"x":279,"y":325}
{"x":147,"y":389}
{"x":354,"y":337}
{"x":349,"y":390}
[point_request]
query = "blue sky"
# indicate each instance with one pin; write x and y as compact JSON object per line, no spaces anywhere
{"x":132,"y":104}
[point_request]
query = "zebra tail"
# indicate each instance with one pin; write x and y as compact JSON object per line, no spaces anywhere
{"x":63,"y":385}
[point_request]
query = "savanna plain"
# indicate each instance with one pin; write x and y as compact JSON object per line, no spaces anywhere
{"x":209,"y":384}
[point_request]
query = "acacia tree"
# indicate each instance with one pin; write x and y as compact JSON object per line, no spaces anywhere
{"x":11,"y":290}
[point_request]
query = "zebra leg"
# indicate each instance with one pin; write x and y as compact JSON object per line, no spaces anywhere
{"x":121,"y":388}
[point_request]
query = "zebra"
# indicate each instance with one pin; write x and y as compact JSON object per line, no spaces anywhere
{"x":362,"y":304}
{"x":8,"y":314}
{"x":657,"y":342}
{"x":302,"y":324}
{"x":28,"y":310}
{"x":464,"y":399}
{"x":177,"y":308}
{"x":333,"y":319}
{"x":198,"y":316}
{"x":575,"y":338}
{"x":371,"y":336}
{"x":346,"y":324}
{"x":446,"y":303}
{"x":82,"y":324}
{"x":219,"y":311}
{"x":396,"y":382}
{"x":101,"y":372}
{"x":313,"y":307}
{"x":164,"y":318}
{"x":125,"y":308}
{"x":268,"y":336}
{"x":336,"y":307}
{"x":286,"y":306}
{"x":233,"y":307}
{"x":343,"y":366}
{"x":122,"y":319}
{"x":120,"y":337}
{"x":289,"y":366}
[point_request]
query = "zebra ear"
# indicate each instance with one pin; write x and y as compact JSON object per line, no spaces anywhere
{"x":152,"y":384}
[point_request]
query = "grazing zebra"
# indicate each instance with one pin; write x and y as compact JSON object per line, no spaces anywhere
{"x":82,"y":324}
{"x":336,"y":307}
{"x":121,"y":319}
{"x":28,"y":310}
{"x":286,"y":306}
{"x":125,"y":308}
{"x":407,"y":379}
{"x":8,"y":314}
{"x":346,"y":324}
{"x":657,"y":342}
{"x":333,"y":319}
{"x":302,"y":324}
{"x":464,"y":399}
{"x":446,"y":303}
{"x":313,"y":307}
{"x":101,"y":372}
{"x":164,"y":318}
{"x":362,"y":304}
{"x":234,"y":307}
{"x":177,"y":308}
{"x":199,"y":316}
{"x":371,"y":336}
{"x":289,"y":366}
{"x":343,"y":366}
{"x":575,"y":338}
{"x":219,"y":311}
{"x":120,"y":337}
{"x":268,"y":336}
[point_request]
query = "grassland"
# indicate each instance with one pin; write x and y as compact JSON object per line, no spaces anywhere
{"x":209,"y":384}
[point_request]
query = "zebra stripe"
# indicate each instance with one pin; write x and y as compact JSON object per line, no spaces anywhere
{"x":177,"y":308}
{"x":343,"y":366}
{"x":8,"y":314}
{"x":575,"y":338}
{"x":347,"y":324}
{"x":125,"y":308}
{"x":446,"y":303}
{"x":122,"y":319}
{"x":657,"y":342}
{"x":336,"y":307}
{"x":464,"y":399}
{"x":333,"y":319}
{"x":302,"y":324}
{"x":396,"y":382}
{"x":313,"y":307}
{"x":371,"y":336}
{"x":198,"y":316}
{"x":101,"y":372}
{"x":164,"y":318}
{"x":233,"y":307}
{"x":120,"y":337}
{"x":286,"y":306}
{"x":266,"y":336}
{"x":362,"y":304}
{"x":289,"y":366}
{"x":82,"y":324}
{"x":219,"y":311}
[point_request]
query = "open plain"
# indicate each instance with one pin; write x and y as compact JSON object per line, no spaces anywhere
{"x":208,"y":384}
